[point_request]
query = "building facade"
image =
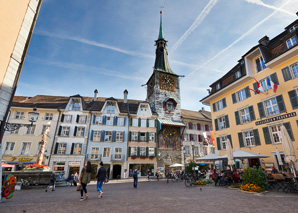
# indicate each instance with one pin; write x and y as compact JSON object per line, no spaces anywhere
{"x":251,"y":115}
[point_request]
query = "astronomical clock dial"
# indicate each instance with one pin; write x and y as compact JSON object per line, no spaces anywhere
{"x":170,"y":136}
{"x":167,"y":82}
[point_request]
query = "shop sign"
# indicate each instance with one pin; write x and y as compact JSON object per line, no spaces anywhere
{"x":161,"y":168}
{"x":25,"y":159}
{"x":277,"y":118}
{"x":74,"y":164}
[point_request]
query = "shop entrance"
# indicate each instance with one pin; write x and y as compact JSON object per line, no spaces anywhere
{"x":94,"y":171}
{"x":254,"y":162}
{"x":73,"y":170}
{"x":116,"y":171}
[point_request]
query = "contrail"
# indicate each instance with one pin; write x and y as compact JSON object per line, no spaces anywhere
{"x":196,"y":23}
{"x":237,"y":40}
{"x":259,"y":2}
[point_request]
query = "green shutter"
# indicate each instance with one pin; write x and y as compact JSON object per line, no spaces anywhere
{"x":224,"y":103}
{"x":257,"y":137}
{"x":240,"y":137}
{"x":293,"y":99}
{"x":138,"y":152}
{"x":289,"y":129}
{"x":214,"y":107}
{"x":78,"y":118}
{"x":286,"y":73}
{"x":59,"y":131}
{"x":218,"y":143}
{"x":129,"y":151}
{"x":247,"y":92}
{"x":147,"y":122}
{"x":234,"y":98}
{"x":261,"y":110}
{"x":62,"y":118}
{"x":56,"y":148}
{"x":147,"y":152}
{"x":72,"y":147}
{"x":274,"y":78}
{"x":227,"y":121}
{"x":251,"y":113}
{"x":230,"y":138}
{"x":155,"y":123}
{"x":155,"y":138}
{"x":147,"y":136}
{"x":75,"y":131}
{"x":280,"y":104}
{"x":216,"y":124}
{"x":129,"y":136}
{"x":139,"y":122}
{"x":139,"y":136}
{"x":130,"y":121}
{"x":255,"y":87}
{"x":267,"y":135}
{"x":155,"y":151}
{"x":237,"y":118}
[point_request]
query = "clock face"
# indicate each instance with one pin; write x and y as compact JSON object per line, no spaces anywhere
{"x":167,"y":82}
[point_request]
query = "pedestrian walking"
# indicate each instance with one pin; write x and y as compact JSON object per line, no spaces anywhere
{"x":157,"y":175}
{"x":52,"y":182}
{"x":148,"y":174}
{"x":101,"y":177}
{"x":85,"y":178}
{"x":135,"y":177}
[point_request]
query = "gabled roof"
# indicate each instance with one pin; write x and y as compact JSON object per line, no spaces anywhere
{"x":201,"y":115}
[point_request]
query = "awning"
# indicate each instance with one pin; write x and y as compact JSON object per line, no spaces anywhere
{"x":5,"y":165}
{"x":171,"y":122}
{"x":176,"y":165}
{"x":240,"y":154}
{"x":211,"y":157}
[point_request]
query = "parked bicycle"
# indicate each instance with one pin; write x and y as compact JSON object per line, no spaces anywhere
{"x":27,"y":183}
{"x":190,"y":180}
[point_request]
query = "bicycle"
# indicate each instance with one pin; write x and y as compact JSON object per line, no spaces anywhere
{"x":190,"y":180}
{"x":27,"y":183}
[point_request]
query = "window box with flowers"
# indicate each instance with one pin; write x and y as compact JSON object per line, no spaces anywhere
{"x":133,"y":157}
{"x":151,"y":157}
{"x":143,"y":157}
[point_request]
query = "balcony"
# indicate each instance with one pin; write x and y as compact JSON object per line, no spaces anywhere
{"x":118,"y":157}
{"x":94,"y":157}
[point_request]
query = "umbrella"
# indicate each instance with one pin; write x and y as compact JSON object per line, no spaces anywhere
{"x":5,"y":165}
{"x":240,"y":154}
{"x":212,"y":157}
{"x":278,"y":157}
{"x":176,"y":165}
{"x":229,"y":148}
{"x":288,"y":148}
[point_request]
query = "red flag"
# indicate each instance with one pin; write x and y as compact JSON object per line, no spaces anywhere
{"x":256,"y":91}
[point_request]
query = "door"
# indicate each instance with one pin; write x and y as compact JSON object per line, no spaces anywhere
{"x":116,"y":171}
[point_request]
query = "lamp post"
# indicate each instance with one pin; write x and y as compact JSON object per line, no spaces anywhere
{"x":184,"y":158}
{"x":193,"y":158}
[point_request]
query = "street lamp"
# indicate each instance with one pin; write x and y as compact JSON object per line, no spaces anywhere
{"x":193,"y":158}
{"x":184,"y":157}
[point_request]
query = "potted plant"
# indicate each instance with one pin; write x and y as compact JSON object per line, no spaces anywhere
{"x":143,"y":157}
{"x":133,"y":157}
{"x":151,"y":157}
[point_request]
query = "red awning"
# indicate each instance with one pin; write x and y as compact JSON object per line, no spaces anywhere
{"x":5,"y":165}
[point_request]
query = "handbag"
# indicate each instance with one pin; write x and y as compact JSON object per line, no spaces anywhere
{"x":79,"y":187}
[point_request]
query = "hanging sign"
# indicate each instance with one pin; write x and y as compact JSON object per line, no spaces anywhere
{"x":280,"y":117}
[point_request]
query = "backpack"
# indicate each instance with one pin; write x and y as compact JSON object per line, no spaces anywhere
{"x":135,"y":174}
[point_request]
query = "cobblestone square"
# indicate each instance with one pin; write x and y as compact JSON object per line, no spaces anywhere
{"x":150,"y":196}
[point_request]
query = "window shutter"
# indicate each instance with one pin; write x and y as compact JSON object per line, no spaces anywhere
{"x":147,"y":152}
{"x":255,"y":87}
{"x":237,"y":118}
{"x":206,"y":127}
{"x":115,"y":120}
{"x":139,"y":122}
{"x":104,"y":120}
{"x":62,"y":118}
{"x":56,"y":148}
{"x":274,"y":78}
{"x":240,"y":137}
{"x":138,"y":152}
{"x":227,"y":121}
{"x":139,"y":136}
{"x":224,"y":103}
{"x":103,"y":133}
{"x":59,"y":131}
{"x":257,"y":137}
{"x":71,"y":119}
{"x":190,"y":125}
{"x":129,"y":136}
{"x":147,"y":122}
{"x":297,"y":122}
{"x":155,"y":151}
{"x":293,"y":99}
{"x":72,"y":149}
{"x":92,"y":132}
{"x":261,"y":110}
{"x":125,"y":121}
{"x":230,"y":138}
{"x":198,"y":138}
{"x":289,"y":129}
{"x":199,"y":126}
{"x":94,"y":118}
{"x":75,"y":131}
{"x":155,"y":137}
{"x":251,"y":113}
{"x":267,"y":135}
{"x":280,"y":103}
{"x":214,"y":107}
{"x":78,"y":118}
{"x":114,"y":136}
{"x":234,"y":98}
{"x":218,"y":143}
{"x":130,"y":121}
{"x":216,"y":124}
{"x":156,"y":123}
{"x":123,"y":136}
{"x":286,"y":73}
{"x":247,"y":92}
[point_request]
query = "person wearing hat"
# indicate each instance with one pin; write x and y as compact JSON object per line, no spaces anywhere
{"x":100,"y":177}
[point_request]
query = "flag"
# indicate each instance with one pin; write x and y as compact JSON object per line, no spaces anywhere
{"x":271,"y":84}
{"x":256,"y":91}
{"x":260,"y":87}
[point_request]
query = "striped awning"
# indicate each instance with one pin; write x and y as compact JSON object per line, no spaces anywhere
{"x":170,"y":122}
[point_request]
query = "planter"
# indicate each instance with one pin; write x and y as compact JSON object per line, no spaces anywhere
{"x":151,"y":157}
{"x":133,"y":157}
{"x":143,"y":157}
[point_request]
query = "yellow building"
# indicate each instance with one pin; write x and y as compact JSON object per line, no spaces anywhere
{"x":250,"y":120}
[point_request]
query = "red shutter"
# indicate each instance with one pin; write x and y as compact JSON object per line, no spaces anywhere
{"x":190,"y":137}
{"x":199,"y":126}
{"x":198,"y":138}
{"x":190,"y":125}
{"x":206,"y":128}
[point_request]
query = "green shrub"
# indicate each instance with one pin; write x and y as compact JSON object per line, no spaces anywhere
{"x":255,"y":176}
{"x":188,"y":168}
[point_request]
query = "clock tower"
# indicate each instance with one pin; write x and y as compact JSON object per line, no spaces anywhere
{"x":163,"y":94}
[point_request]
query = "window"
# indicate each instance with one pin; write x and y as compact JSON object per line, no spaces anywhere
{"x":9,"y":148}
{"x":98,"y":120}
{"x":77,"y":149}
{"x":185,"y":137}
{"x":186,"y":150}
{"x":135,"y":122}
{"x":111,"y":108}
{"x":151,"y":123}
{"x":14,"y":132}
{"x":95,"y":153}
{"x":244,"y":115}
{"x":205,"y":150}
{"x":76,"y":105}
{"x":186,"y":126}
{"x":271,"y":107}
{"x":238,"y":74}
{"x":106,"y":152}
{"x":291,"y":42}
{"x":44,"y":129}
{"x":219,"y":105}
{"x":65,"y":131}
{"x":169,"y":106}
{"x":110,"y":121}
{"x":143,"y":136}
{"x":222,"y":122}
{"x":151,"y":151}
{"x":61,"y":148}
{"x":293,"y":28}
{"x":249,"y":138}
{"x":81,"y":131}
{"x":143,"y":108}
{"x":19,"y":115}
{"x":218,"y":86}
{"x":31,"y":130}
{"x":260,"y":64}
{"x":151,"y":136}
{"x":194,"y":126}
{"x":223,"y":141}
{"x":134,"y":136}
{"x":48,"y":116}
{"x":212,"y":150}
{"x":120,"y":122}
{"x":26,"y":148}
{"x":264,"y":84}
{"x":96,"y":135}
{"x":196,"y":151}
{"x":82,"y":119}
{"x":118,"y":153}
{"x":133,"y":151}
{"x":119,"y":137}
{"x":67,"y":118}
{"x":295,"y":70}
{"x":143,"y":151}
{"x":241,"y":95}
{"x":276,"y":133}
{"x":194,"y":138}
{"x":108,"y":136}
{"x":143,"y":122}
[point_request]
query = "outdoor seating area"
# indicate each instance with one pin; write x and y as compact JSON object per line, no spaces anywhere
{"x":285,"y":182}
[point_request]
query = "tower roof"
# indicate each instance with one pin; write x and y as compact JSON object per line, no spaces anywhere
{"x":160,"y":36}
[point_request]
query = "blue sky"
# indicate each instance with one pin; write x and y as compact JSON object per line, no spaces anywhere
{"x":78,"y":46}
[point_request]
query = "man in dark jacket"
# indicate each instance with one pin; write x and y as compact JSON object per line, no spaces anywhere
{"x":135,"y":177}
{"x":100,"y":177}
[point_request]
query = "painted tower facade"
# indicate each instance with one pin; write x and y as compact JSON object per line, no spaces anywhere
{"x":163,"y":94}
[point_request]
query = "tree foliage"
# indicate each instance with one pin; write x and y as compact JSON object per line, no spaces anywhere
{"x":255,"y":176}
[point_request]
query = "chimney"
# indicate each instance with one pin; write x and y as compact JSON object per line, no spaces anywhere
{"x":125,"y":96}
{"x":203,"y":109}
{"x":296,"y":13}
{"x":264,"y":41}
{"x":95,"y":94}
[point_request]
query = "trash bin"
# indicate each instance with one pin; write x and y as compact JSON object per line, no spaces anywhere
{"x":18,"y":186}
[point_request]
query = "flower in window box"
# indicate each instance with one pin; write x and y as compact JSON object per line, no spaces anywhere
{"x":133,"y":157}
{"x":151,"y":157}
{"x":143,"y":157}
